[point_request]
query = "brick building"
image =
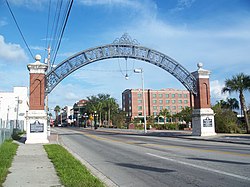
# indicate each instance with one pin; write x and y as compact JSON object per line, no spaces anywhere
{"x":155,"y":100}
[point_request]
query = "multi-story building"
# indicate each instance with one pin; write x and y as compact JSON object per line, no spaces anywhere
{"x":13,"y":108}
{"x":155,"y":100}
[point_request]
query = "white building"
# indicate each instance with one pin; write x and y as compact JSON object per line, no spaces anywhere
{"x":13,"y":108}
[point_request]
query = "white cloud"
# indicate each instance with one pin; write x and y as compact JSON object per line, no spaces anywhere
{"x":215,"y":89}
{"x":183,"y":4}
{"x":31,"y":4}
{"x":3,"y":22}
{"x":11,"y":52}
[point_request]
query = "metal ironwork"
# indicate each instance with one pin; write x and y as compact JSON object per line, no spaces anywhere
{"x":123,"y":47}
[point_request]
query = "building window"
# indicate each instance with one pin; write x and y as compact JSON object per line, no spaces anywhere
{"x":179,"y":101}
{"x":160,"y":101}
{"x":161,"y":107}
{"x":185,"y":101}
{"x":185,"y":95}
{"x":139,"y":101}
{"x":139,"y":95}
{"x":155,"y":113}
{"x":173,"y":101}
{"x":167,"y":101}
{"x":139,"y":107}
{"x":180,"y":95}
{"x":179,"y":107}
{"x":167,"y":107}
{"x":167,"y":95}
{"x":155,"y":107}
{"x":174,"y":107}
{"x":154,"y":101}
{"x":154,"y":95}
{"x":160,"y":95}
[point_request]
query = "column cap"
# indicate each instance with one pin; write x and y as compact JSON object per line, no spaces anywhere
{"x":37,"y":66}
{"x":201,"y":73}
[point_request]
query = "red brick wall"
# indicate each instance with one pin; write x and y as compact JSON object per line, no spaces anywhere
{"x":37,"y":90}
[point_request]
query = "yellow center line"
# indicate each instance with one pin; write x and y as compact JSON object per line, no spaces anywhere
{"x":163,"y":146}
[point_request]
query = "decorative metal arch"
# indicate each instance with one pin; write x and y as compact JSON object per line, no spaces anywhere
{"x":123,"y":47}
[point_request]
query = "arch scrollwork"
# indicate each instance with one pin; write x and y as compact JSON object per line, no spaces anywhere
{"x":123,"y":47}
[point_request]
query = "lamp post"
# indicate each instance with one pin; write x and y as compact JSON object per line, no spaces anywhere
{"x":139,"y":70}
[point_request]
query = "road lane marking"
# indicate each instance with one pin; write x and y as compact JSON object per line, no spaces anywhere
{"x":201,"y":167}
{"x":161,"y":146}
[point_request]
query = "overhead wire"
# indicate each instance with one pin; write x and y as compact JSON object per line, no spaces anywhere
{"x":13,"y":16}
{"x":65,"y":23}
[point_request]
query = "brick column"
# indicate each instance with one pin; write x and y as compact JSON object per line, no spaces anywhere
{"x":37,"y":117}
{"x":203,"y":115}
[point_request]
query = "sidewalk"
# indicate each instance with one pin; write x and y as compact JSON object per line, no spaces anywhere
{"x":32,"y":167}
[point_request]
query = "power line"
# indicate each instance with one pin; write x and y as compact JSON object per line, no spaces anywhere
{"x":65,"y":23}
{"x":19,"y":28}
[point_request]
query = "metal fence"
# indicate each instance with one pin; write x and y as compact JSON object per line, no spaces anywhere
{"x":7,"y":128}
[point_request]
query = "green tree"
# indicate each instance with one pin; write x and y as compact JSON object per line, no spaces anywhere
{"x":186,"y":114}
{"x":165,"y":113}
{"x":239,"y":83}
{"x":57,"y":110}
{"x":225,"y":120}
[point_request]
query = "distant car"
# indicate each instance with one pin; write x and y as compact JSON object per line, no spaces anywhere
{"x":59,"y":125}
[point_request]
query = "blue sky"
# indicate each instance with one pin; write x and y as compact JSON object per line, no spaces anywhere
{"x":216,"y":33}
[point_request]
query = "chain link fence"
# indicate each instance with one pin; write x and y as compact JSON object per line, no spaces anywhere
{"x":7,"y":128}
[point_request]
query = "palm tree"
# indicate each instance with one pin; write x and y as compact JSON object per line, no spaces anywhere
{"x":111,"y":105}
{"x":57,"y":110}
{"x":232,"y":103}
{"x":165,"y":113}
{"x":239,"y":83}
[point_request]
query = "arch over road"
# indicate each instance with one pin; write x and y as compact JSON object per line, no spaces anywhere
{"x":123,"y":47}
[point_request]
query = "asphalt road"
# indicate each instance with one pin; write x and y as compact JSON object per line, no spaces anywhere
{"x":137,"y":160}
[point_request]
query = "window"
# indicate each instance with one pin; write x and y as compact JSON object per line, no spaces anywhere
{"x":173,"y":95}
{"x":160,"y":101}
{"x":154,"y":101}
{"x":139,"y":95}
{"x":179,"y":101}
{"x":167,"y":101}
{"x":173,"y":101}
{"x":167,"y":107}
{"x":154,"y":95}
{"x":174,"y":107}
{"x":155,"y":113}
{"x":179,"y":107}
{"x":160,"y":95}
{"x":155,"y":107}
{"x":161,"y":107}
{"x":185,"y":101}
{"x":185,"y":95}
{"x":139,"y":113}
{"x":139,"y":101}
{"x":129,"y":107}
{"x":180,"y":95}
{"x":167,"y":95}
{"x":139,"y":107}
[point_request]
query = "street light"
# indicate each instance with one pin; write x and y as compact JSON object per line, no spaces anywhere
{"x":139,"y":70}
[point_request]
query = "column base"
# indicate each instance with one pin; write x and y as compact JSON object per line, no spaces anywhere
{"x":203,"y":122}
{"x":36,"y":127}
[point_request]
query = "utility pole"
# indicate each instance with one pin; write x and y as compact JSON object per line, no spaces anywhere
{"x":46,"y":97}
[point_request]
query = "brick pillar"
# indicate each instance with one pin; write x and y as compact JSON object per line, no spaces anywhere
{"x":37,"y":84}
{"x":37,"y":117}
{"x":203,"y":115}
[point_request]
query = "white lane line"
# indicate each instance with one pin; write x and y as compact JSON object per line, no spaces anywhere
{"x":200,"y":167}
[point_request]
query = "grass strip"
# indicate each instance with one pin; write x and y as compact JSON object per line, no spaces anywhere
{"x":7,"y":152}
{"x":70,"y":170}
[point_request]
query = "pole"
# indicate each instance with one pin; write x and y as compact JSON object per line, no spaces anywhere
{"x":17,"y":108}
{"x":144,"y":103}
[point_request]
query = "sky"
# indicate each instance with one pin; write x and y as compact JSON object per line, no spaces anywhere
{"x":216,"y":33}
